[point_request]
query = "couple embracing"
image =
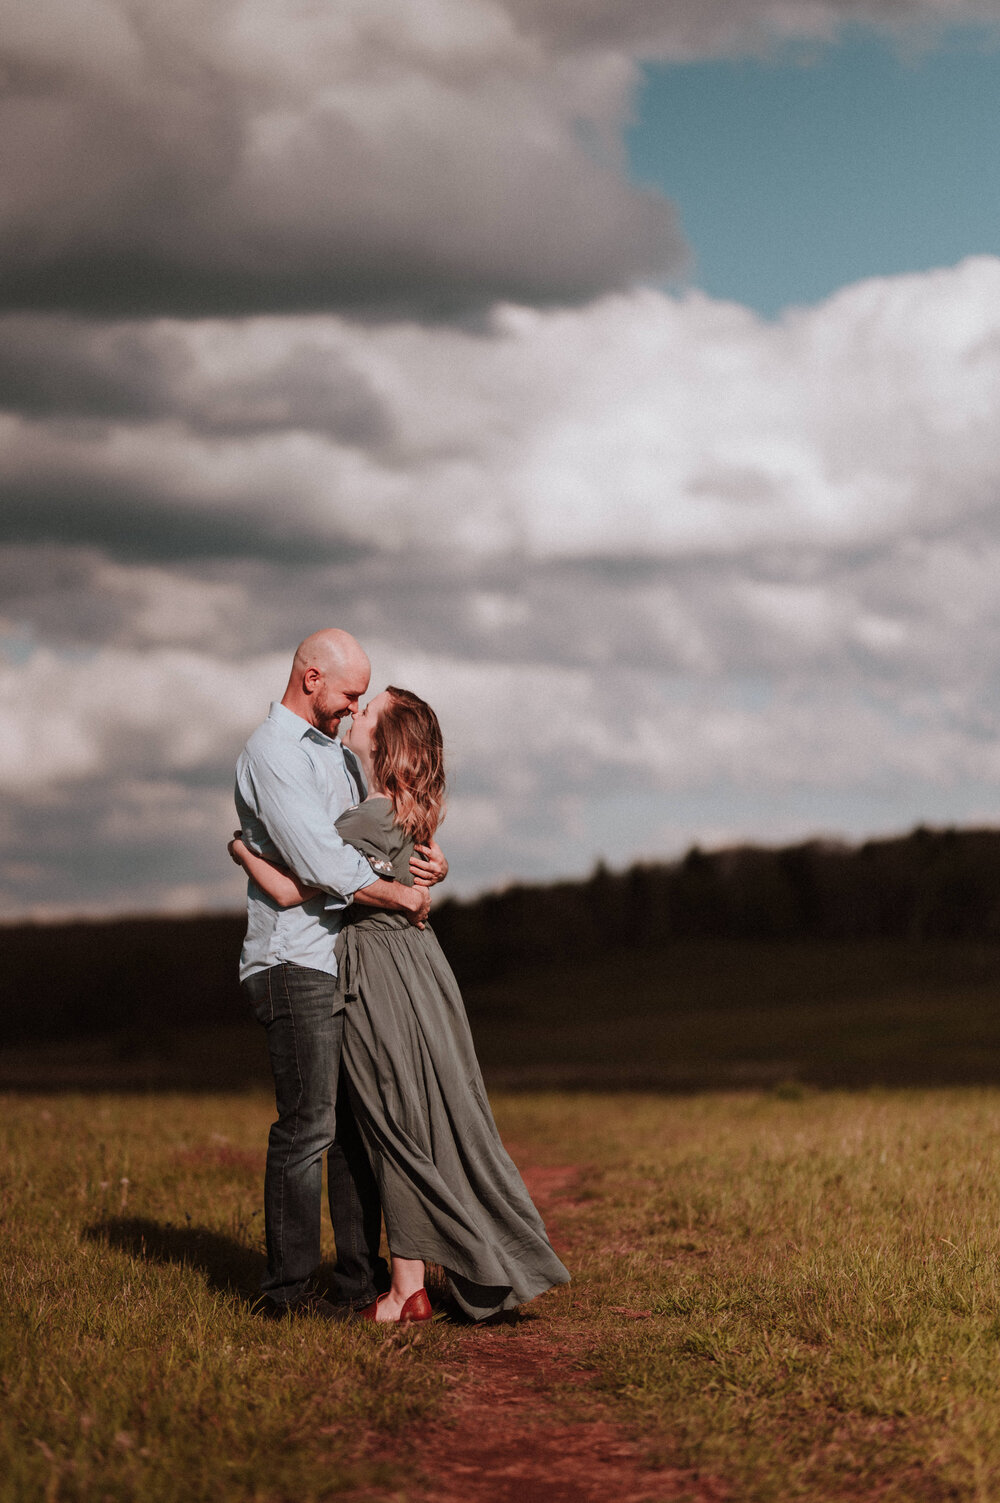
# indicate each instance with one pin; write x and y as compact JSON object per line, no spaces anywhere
{"x":374,"y":1066}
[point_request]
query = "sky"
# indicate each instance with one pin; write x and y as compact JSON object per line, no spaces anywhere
{"x":625,"y":374}
{"x":812,"y":166}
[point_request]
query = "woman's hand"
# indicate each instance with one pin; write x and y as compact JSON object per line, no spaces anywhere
{"x":428,"y":864}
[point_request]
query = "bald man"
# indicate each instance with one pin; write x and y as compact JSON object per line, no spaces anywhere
{"x":293,"y":780}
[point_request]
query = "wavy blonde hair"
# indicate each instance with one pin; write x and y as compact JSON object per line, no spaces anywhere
{"x":408,"y":762}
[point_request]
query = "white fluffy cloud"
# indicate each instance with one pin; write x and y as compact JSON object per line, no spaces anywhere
{"x":639,"y":426}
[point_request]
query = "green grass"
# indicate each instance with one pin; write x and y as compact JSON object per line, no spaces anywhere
{"x":812,"y":1283}
{"x":822,"y":1276}
{"x":133,"y":1366}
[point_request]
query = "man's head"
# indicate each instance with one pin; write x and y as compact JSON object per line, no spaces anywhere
{"x":330,"y":672}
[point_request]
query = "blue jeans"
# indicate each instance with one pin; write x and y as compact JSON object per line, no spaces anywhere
{"x":297,"y":1007}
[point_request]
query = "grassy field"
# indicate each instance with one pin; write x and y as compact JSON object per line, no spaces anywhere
{"x":794,"y":1292}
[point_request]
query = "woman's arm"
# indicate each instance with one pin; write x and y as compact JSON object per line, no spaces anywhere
{"x":279,"y":883}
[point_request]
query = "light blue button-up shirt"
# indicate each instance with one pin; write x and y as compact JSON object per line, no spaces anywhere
{"x":292,"y":782}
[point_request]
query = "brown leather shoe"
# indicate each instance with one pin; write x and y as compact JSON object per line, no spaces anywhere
{"x":417,"y":1307}
{"x":311,"y":1304}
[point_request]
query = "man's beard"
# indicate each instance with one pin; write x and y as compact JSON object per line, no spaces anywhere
{"x":327,"y":721}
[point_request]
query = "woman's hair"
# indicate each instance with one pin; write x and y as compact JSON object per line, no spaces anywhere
{"x":408,"y":762}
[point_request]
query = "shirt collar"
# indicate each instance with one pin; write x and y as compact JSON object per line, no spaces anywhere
{"x":295,"y":725}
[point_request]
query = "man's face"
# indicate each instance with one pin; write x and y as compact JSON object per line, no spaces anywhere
{"x":336,"y":694}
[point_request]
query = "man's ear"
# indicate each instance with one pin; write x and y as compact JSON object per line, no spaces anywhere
{"x":311,"y":680}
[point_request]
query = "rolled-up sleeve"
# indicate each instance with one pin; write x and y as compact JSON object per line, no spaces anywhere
{"x":291,"y":808}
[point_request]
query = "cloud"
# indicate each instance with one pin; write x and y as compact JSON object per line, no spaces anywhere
{"x":663,"y":567}
{"x":245,"y":157}
{"x":337,"y":315}
{"x":131,"y":845}
{"x":686,"y":30}
{"x":423,"y":158}
{"x":214,"y":380}
{"x":642,"y":427}
{"x":168,"y":712}
{"x":120,"y":784}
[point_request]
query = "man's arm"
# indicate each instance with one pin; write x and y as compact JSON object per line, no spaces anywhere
{"x":288,"y":892}
{"x":396,"y":897}
{"x":284,"y":797}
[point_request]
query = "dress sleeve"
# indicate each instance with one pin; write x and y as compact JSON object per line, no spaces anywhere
{"x":370,"y":829}
{"x":366,"y":835}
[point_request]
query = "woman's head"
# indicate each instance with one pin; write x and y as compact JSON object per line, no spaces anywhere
{"x":407,"y":760}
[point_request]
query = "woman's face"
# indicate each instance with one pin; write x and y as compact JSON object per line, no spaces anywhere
{"x":359,"y":735}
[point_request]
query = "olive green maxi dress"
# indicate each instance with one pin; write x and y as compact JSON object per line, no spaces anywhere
{"x":450,"y":1192}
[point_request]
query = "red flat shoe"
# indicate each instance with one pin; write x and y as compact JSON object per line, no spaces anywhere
{"x":417,"y":1307}
{"x":368,"y":1312}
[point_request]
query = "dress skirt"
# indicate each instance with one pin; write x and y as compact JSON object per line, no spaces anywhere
{"x":450,"y":1191}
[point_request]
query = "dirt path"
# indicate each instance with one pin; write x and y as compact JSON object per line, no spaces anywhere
{"x":493,"y":1441}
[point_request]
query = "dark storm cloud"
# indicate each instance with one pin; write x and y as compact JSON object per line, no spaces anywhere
{"x":404,"y":280}
{"x":51,"y":367}
{"x":53,"y":595}
{"x":139,"y":525}
{"x":226,"y":159}
{"x":59,"y":367}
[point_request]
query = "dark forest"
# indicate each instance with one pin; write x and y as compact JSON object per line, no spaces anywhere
{"x":747,"y":962}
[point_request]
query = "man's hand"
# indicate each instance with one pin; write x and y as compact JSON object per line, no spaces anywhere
{"x":428,"y":864}
{"x":395,"y":897}
{"x":417,"y":905}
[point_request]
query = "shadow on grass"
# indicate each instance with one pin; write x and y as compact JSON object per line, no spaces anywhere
{"x":230,"y":1267}
{"x":233,"y":1269}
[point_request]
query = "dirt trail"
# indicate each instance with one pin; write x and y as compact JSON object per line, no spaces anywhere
{"x":493,"y":1441}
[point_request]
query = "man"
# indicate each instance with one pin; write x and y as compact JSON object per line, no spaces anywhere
{"x":293,"y":780}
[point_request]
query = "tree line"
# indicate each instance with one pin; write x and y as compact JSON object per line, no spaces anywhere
{"x":152,"y":974}
{"x":929,"y":885}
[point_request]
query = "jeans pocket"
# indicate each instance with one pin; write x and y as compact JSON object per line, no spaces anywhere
{"x":257,"y":991}
{"x":312,"y":995}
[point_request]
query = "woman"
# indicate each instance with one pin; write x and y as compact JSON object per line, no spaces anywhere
{"x":450,"y":1192}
